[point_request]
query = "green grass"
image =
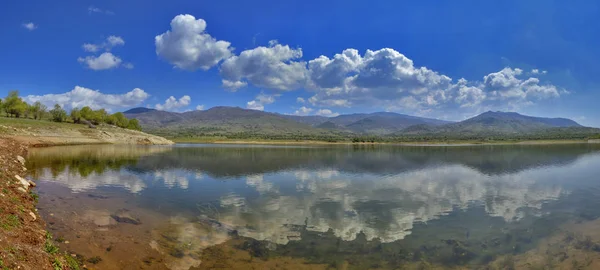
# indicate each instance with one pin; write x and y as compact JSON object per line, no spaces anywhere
{"x":49,"y":246}
{"x":10,"y":222}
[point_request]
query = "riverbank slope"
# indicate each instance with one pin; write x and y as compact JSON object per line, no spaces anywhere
{"x":24,"y":242}
{"x":46,"y":133}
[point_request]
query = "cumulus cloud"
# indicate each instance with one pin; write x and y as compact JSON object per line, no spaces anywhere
{"x":104,"y":61}
{"x":188,"y":47}
{"x":536,"y":71}
{"x":327,"y":112}
{"x":383,"y":78}
{"x":233,"y":86}
{"x":108,"y":44}
{"x":88,"y":47}
{"x":81,"y":96}
{"x":115,"y":41}
{"x":200,"y":108}
{"x":93,"y":9}
{"x":267,"y":67}
{"x":30,"y":26}
{"x":173,"y":104}
{"x":260,"y":101}
{"x":303,"y":111}
{"x":387,"y":79}
{"x":300,"y":100}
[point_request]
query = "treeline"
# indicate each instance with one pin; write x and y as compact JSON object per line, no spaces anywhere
{"x":15,"y":106}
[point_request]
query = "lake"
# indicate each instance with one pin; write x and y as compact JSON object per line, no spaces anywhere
{"x":193,"y":206}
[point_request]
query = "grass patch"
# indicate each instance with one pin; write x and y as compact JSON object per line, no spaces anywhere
{"x":72,"y":262}
{"x":10,"y":222}
{"x":34,"y":196}
{"x":57,"y":264}
{"x":49,"y":246}
{"x":94,"y":260}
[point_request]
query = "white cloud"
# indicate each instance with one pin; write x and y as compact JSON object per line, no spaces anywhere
{"x":200,"y":108}
{"x":104,"y":61}
{"x":536,"y":71}
{"x":30,"y":26}
{"x":187,"y":46}
{"x":173,"y":104}
{"x":108,"y":44}
{"x":300,"y":100}
{"x":267,"y":67}
{"x":93,"y":9}
{"x":260,"y":101}
{"x":303,"y":111}
{"x":88,"y":47}
{"x":327,"y":112}
{"x":233,"y":86}
{"x":81,"y":96}
{"x":115,"y":41}
{"x":387,"y":79}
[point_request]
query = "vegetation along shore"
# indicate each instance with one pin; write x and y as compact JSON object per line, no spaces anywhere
{"x":24,"y":242}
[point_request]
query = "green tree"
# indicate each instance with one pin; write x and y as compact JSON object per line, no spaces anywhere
{"x":40,"y":110}
{"x":120,"y":120}
{"x":36,"y":110}
{"x":76,"y":115}
{"x":99,"y":116}
{"x":134,"y":124}
{"x":14,"y":105}
{"x":87,"y":113}
{"x":58,"y":114}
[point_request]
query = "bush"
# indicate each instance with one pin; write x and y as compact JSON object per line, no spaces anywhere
{"x":58,"y":114}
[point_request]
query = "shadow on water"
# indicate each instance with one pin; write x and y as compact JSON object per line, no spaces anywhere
{"x":350,"y":207}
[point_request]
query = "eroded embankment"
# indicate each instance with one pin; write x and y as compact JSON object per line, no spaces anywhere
{"x":24,"y":242}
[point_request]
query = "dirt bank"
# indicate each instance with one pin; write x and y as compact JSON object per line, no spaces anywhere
{"x":46,"y":133}
{"x":24,"y":242}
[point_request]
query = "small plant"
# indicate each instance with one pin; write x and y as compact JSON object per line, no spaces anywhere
{"x":72,"y":262}
{"x":9,"y":222}
{"x":57,"y":264}
{"x":34,"y":196}
{"x":94,"y":260}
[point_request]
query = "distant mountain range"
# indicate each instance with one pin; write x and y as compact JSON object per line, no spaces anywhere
{"x":235,"y":120}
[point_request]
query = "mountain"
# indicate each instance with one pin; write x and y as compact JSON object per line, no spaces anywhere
{"x":220,"y":121}
{"x":379,"y":123}
{"x":503,"y":125}
{"x":510,"y":122}
{"x":238,"y":122}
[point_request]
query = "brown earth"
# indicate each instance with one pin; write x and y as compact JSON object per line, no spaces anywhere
{"x":23,"y":238}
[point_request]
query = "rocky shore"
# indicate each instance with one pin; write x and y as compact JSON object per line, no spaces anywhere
{"x":24,"y":242}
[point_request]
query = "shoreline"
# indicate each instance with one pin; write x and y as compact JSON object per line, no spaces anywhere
{"x":420,"y":144}
{"x":25,"y":243}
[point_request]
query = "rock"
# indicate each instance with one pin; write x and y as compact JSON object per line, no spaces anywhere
{"x":123,"y":216}
{"x":33,"y":184}
{"x":66,"y":242}
{"x":22,"y":189}
{"x":24,"y":182}
{"x":21,"y":159}
{"x":24,"y":169}
{"x":33,"y":216}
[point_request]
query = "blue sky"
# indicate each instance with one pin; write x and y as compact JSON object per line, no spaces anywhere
{"x":447,"y":60}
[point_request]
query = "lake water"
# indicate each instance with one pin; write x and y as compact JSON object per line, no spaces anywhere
{"x":323,"y":207}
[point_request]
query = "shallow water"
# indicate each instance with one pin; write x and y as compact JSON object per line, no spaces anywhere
{"x":336,"y":207}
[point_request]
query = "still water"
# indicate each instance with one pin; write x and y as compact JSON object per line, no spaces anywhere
{"x":317,"y":207}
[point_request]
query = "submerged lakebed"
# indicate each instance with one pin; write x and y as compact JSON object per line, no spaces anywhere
{"x":322,"y":207}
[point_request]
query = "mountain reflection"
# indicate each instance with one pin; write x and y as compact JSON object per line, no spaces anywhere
{"x":271,"y":192}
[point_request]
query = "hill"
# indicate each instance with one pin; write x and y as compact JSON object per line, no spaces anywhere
{"x":239,"y":123}
{"x":509,"y":125}
{"x":224,"y":121}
